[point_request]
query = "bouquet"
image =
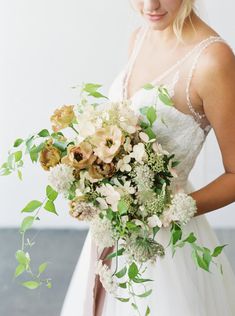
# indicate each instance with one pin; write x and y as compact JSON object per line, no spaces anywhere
{"x":116,"y":176}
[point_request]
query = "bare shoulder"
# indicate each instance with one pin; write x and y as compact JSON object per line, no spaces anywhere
{"x":132,"y":40}
{"x":216,"y":64}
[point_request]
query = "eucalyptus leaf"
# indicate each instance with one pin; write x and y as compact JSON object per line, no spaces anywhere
{"x":42,"y":267}
{"x":120,"y":274}
{"x":145,"y":294}
{"x":217,"y":251}
{"x":115,"y":254}
{"x":147,"y":313}
{"x":122,"y":299}
{"x":44,"y":133}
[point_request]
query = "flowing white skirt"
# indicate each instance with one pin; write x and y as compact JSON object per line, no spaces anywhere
{"x":179,"y":287}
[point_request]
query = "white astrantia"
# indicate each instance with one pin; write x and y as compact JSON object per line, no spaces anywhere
{"x":124,"y":188}
{"x":183,"y":208}
{"x":102,"y":233}
{"x":110,"y":194}
{"x":61,"y":177}
{"x":106,"y":278}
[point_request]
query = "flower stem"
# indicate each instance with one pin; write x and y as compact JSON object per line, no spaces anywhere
{"x":74,"y":129}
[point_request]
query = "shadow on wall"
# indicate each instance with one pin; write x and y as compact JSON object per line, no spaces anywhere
{"x":62,"y":247}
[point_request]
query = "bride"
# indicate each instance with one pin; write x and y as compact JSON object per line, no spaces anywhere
{"x":176,"y":48}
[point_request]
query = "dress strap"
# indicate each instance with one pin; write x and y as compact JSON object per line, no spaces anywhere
{"x":210,"y":40}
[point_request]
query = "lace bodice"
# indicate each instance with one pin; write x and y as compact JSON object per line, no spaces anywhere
{"x":180,"y":133}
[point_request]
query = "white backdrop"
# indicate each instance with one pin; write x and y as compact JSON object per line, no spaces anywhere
{"x":47,"y":47}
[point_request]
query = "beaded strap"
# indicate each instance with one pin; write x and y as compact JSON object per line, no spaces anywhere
{"x":207,"y":42}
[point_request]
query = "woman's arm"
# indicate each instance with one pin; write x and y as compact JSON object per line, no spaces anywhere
{"x":216,"y":87}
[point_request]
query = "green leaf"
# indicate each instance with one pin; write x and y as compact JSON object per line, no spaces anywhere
{"x":201,"y":263}
{"x":10,"y":160}
{"x":19,"y":270}
{"x":144,"y":110}
{"x":120,"y":274}
{"x":148,"y":86}
{"x":150,"y":132}
{"x":19,"y":173}
{"x":122,"y":207}
{"x":145,"y":294}
{"x":122,"y":285}
{"x":134,"y":306}
{"x":26,"y":223}
{"x":44,"y":133}
{"x":31,"y":284}
{"x":133,"y":271}
{"x":18,"y":155}
{"x":139,"y":280}
{"x":51,"y":193}
{"x":217,"y":251}
{"x":18,"y":142}
{"x":147,"y":313}
{"x":151,"y":115}
{"x":191,"y":238}
{"x":32,"y":206}
{"x":122,"y":299}
{"x":50,"y":207}
{"x":115,"y":254}
{"x":49,"y":285}
{"x":42,"y":267}
{"x":176,"y":236}
{"x":33,"y":155}
{"x":22,"y":258}
{"x":164,"y":96}
{"x":155,"y":231}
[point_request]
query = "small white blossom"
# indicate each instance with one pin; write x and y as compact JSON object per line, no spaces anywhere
{"x":127,"y":145}
{"x":139,"y":153}
{"x":154,"y":221}
{"x":106,"y":278}
{"x":158,"y":149}
{"x":111,"y":195}
{"x":123,"y":164}
{"x":61,"y":177}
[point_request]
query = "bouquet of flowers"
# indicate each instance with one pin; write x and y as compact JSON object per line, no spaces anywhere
{"x":117,"y":177}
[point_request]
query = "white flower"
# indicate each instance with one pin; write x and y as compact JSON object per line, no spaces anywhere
{"x":106,"y":278}
{"x":182,"y":209}
{"x":61,"y":177}
{"x":126,"y":188}
{"x":102,"y":233}
{"x":111,"y":195}
{"x":123,"y":164}
{"x":158,"y":149}
{"x":154,"y":221}
{"x":139,"y":153}
{"x":144,"y":137}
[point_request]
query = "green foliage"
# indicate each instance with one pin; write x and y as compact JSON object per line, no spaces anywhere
{"x":44,"y":133}
{"x":133,"y":271}
{"x":91,"y":90}
{"x":50,"y":207}
{"x":26,"y":223}
{"x":51,"y":193}
{"x":32,"y":285}
{"x":121,"y":273}
{"x":31,"y":206}
{"x":164,"y":96}
{"x":116,"y":253}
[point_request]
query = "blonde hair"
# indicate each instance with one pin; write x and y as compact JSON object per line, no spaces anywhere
{"x":187,"y":7}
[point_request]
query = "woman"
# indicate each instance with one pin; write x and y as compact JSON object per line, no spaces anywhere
{"x":176,"y":48}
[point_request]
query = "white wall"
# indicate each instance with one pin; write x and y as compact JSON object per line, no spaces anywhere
{"x":47,"y":47}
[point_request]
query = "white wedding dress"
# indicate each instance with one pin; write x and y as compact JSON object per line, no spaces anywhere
{"x":179,"y":288}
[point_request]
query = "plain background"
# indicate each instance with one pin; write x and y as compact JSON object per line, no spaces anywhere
{"x":49,"y":46}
